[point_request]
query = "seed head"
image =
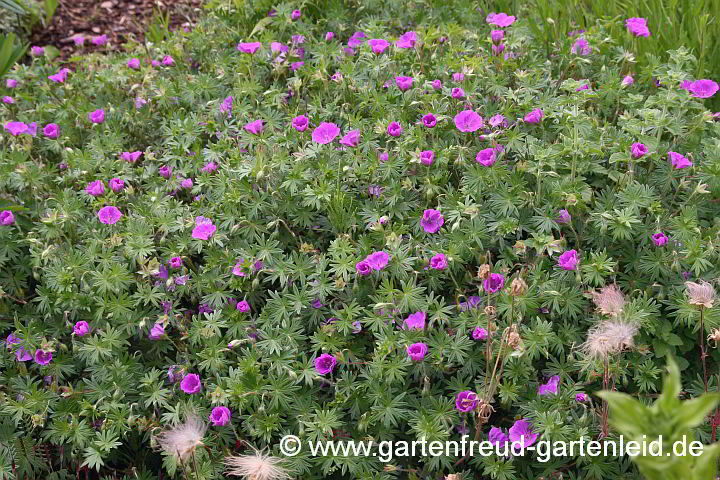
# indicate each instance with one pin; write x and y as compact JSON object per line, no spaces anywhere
{"x":182,"y":440}
{"x":701,"y":293}
{"x":609,"y":337}
{"x":609,"y":300}
{"x":256,"y":466}
{"x":518,"y":287}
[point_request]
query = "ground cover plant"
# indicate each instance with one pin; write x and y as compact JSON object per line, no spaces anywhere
{"x":339,"y":220}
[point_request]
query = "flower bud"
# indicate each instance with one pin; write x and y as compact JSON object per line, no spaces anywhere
{"x":518,"y":287}
{"x":483,"y":271}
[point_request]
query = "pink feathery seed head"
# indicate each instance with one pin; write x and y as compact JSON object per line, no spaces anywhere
{"x":81,"y":328}
{"x":406,"y":40}
{"x":249,"y":47}
{"x":7,"y":218}
{"x":438,"y":262}
{"x":256,"y":466}
{"x":404,"y":83}
{"x":700,"y":293}
{"x":377,"y":260}
{"x":116,"y":184}
{"x":378,"y":45}
{"x":432,"y":220}
{"x":427,"y":157}
{"x":417,"y":351}
{"x":500,"y":19}
{"x":109,"y":215}
{"x":703,"y":88}
{"x":351,"y":139}
{"x":325,"y":364}
{"x":325,"y":133}
{"x":98,"y":116}
{"x":395,"y":129}
{"x":568,"y":260}
{"x":220,"y":416}
{"x":609,"y":337}
{"x":182,"y":440}
{"x":429,"y":120}
{"x":255,"y":127}
{"x":609,"y":300}
{"x":679,"y":161}
{"x":468,"y":121}
{"x":659,"y":239}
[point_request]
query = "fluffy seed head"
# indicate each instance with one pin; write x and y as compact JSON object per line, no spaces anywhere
{"x":701,"y":293}
{"x":256,"y":466}
{"x":608,"y":337}
{"x":182,"y":440}
{"x":609,"y":300}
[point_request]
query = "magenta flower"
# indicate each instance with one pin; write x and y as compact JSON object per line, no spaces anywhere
{"x":209,"y":167}
{"x":627,"y":80}
{"x":325,"y":133}
{"x":11,"y":340}
{"x":255,"y":127}
{"x":61,"y":76}
{"x":457,"y":92}
{"x":191,"y":383}
{"x":325,"y":364}
{"x":703,"y":88}
{"x":176,"y":262}
{"x":95,"y":188}
{"x":521,"y":434}
{"x":204,"y":228}
{"x":563,"y":216}
{"x":329,"y":36}
{"x":498,"y":121}
{"x":355,"y":40}
{"x":417,"y":351}
{"x":7,"y":218}
{"x":458,"y":77}
{"x":351,"y":139}
{"x":100,"y":40}
{"x":187,"y":183}
{"x":98,"y":116}
{"x":438,"y":262}
{"x":295,"y":65}
{"x":81,"y":328}
{"x":133,"y":63}
{"x":51,"y":130}
{"x":300,"y":123}
{"x":395,"y":129}
{"x":37,"y":51}
{"x":638,"y":150}
{"x":383,"y":157}
{"x":429,"y":120}
{"x":378,"y":45}
{"x":22,"y":355}
{"x":581,"y":397}
{"x":220,"y":416}
{"x":583,"y":87}
{"x":479,"y":333}
{"x":415,"y":321}
{"x":468,"y":121}
{"x":581,"y":47}
{"x":109,"y":215}
{"x":277,"y":47}
{"x":168,"y":61}
{"x":295,"y":14}
{"x":16,"y":128}
{"x":242,"y":306}
{"x":497,"y":437}
{"x":406,"y":40}
{"x":11,"y":83}
{"x":659,"y":239}
{"x":679,"y":161}
{"x":165,"y":171}
{"x":500,"y":19}
{"x":157,"y":331}
{"x":42,"y":357}
{"x":494,"y":283}
{"x":568,"y":260}
{"x":466,"y":401}
{"x":436,"y":85}
{"x":404,"y":83}
{"x":250,"y":47}
{"x":79,"y":40}
{"x":550,"y":386}
{"x":426,"y":157}
{"x":139,"y":103}
{"x":432,"y":220}
{"x":363,"y":268}
{"x":497,"y":36}
{"x":487,"y":156}
{"x":131,"y":156}
{"x":535,"y":116}
{"x":117,"y":185}
{"x":377,"y":260}
{"x":637,"y":26}
{"x":8,"y":100}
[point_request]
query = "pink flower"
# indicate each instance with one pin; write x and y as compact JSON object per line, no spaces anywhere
{"x":79,"y":40}
{"x":42,"y":357}
{"x":406,"y":40}
{"x":157,"y":331}
{"x":426,"y":157}
{"x":378,"y":45}
{"x":638,"y":150}
{"x":168,"y":61}
{"x":242,"y":306}
{"x":16,"y":128}
{"x":568,"y":260}
{"x":404,"y":83}
{"x":295,"y":14}
{"x":468,"y":121}
{"x":497,"y":36}
{"x":220,"y":416}
{"x":659,"y":239}
{"x":204,"y":228}
{"x":363,"y":268}
{"x":176,"y":262}
{"x":535,"y":116}
{"x":250,"y":47}
{"x":109,"y":215}
{"x":355,"y":39}
{"x":479,"y":333}
{"x":458,"y":77}
{"x":7,"y":218}
{"x":325,"y":364}
{"x":679,"y":161}
{"x":581,"y":397}
{"x":415,"y":321}
{"x":438,"y":262}
{"x":95,"y":188}
{"x":37,"y":51}
{"x":500,"y":19}
{"x":550,"y":386}
{"x":255,"y":127}
{"x":466,"y":401}
{"x":583,"y":87}
{"x":417,"y":351}
{"x":498,"y":121}
{"x":100,"y":40}
{"x":432,"y":220}
{"x":295,"y":65}
{"x":377,"y":260}
{"x":637,"y":26}
{"x":300,"y":123}
{"x":133,"y":63}
{"x":581,"y":47}
{"x":8,"y":100}
{"x":563,"y":217}
{"x":457,"y":92}
{"x":703,"y":88}
{"x":191,"y":383}
{"x":22,"y":355}
{"x":521,"y":435}
{"x":494,"y":283}
{"x":98,"y":116}
{"x":487,"y":156}
{"x":51,"y":130}
{"x":627,"y":80}
{"x":187,"y":183}
{"x":131,"y":157}
{"x":325,"y":133}
{"x":498,"y":49}
{"x":329,"y":36}
{"x":351,"y":139}
{"x":395,"y":129}
{"x":11,"y":83}
{"x":81,"y":328}
{"x":436,"y":85}
{"x":209,"y":167}
{"x":165,"y":171}
{"x":117,"y":185}
{"x":429,"y":120}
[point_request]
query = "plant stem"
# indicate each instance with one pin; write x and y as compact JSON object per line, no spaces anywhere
{"x":703,"y":353}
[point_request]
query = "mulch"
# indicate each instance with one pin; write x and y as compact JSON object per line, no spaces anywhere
{"x":120,"y":20}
